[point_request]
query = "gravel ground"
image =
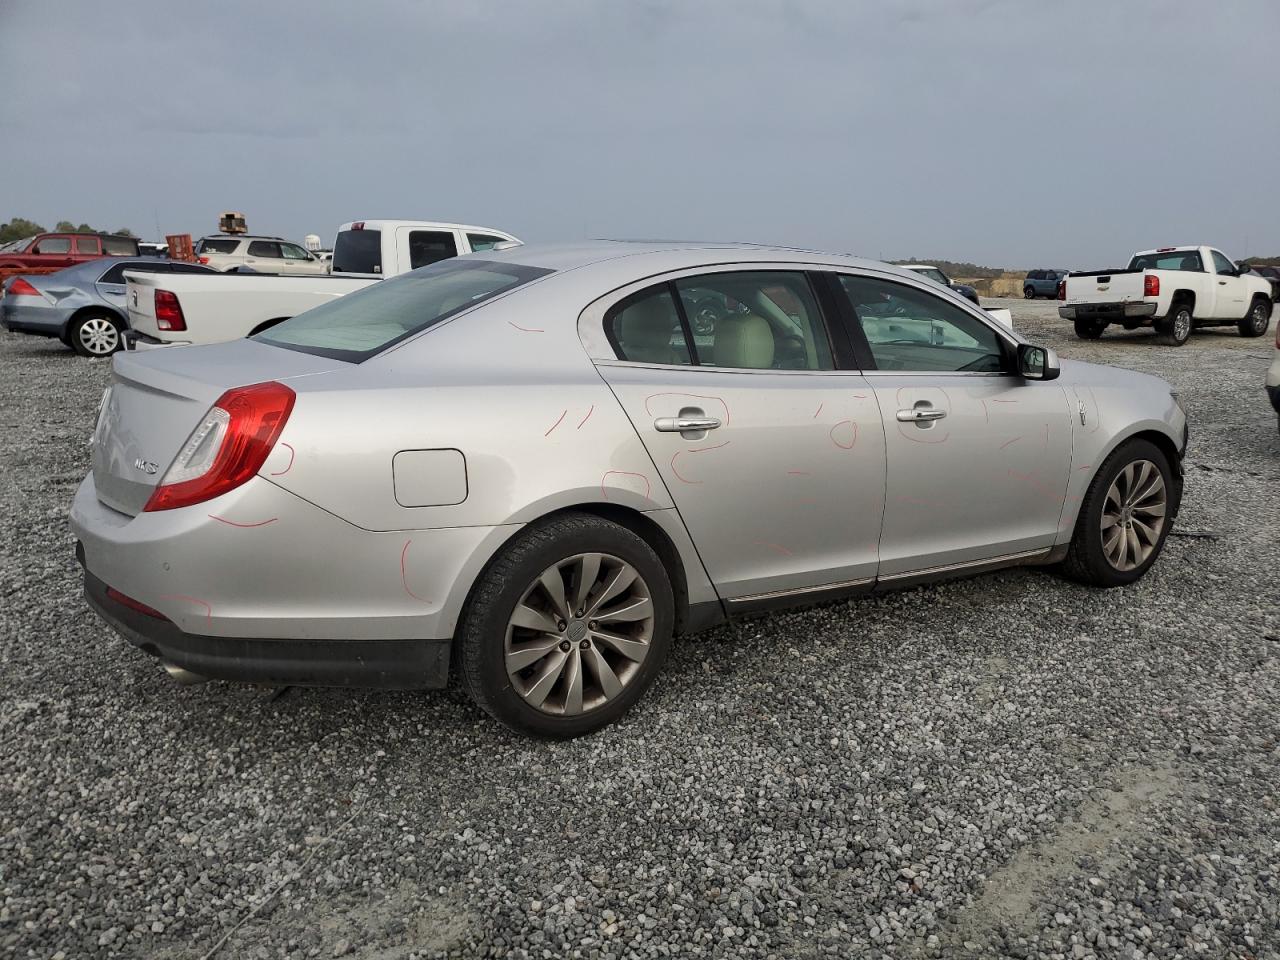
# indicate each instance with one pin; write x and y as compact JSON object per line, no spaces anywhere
{"x":1009,"y":766}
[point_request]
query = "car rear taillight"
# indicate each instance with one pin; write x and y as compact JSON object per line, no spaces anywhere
{"x":228,"y":446}
{"x":1151,"y":285}
{"x":126,"y":601}
{"x":20,"y":288}
{"x":1062,"y":289}
{"x":169,"y":311}
{"x":204,"y":260}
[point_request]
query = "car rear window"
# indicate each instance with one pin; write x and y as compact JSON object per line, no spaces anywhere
{"x":361,"y":324}
{"x":217,"y":245}
{"x":1188,"y":260}
{"x":358,"y":251}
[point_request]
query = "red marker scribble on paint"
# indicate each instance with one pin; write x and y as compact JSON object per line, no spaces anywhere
{"x":404,"y":578}
{"x":799,"y":473}
{"x":281,"y":473}
{"x":604,"y":492}
{"x":587,"y":417}
{"x":1046,"y":436}
{"x":1009,"y":443}
{"x":208,"y":610}
{"x":233,"y":523}
{"x":986,"y":414}
{"x":557,"y":423}
{"x":776,"y":547}
{"x":859,"y":396}
{"x":525,"y":329}
{"x":1040,"y":487}
{"x":853,"y":439}
{"x":714,"y":446}
{"x":1003,"y":401}
{"x":818,"y":411}
{"x":1087,"y":466}
{"x":678,"y":475}
{"x":719,"y":400}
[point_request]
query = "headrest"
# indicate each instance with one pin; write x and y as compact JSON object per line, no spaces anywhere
{"x":744,"y":340}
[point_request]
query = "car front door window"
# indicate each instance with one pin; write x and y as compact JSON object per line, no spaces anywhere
{"x":910,"y":329}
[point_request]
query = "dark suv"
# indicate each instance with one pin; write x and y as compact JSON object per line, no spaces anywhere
{"x":1042,"y":283}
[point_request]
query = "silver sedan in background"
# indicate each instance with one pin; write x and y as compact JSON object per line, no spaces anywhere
{"x":531,"y":468}
{"x":83,"y":305}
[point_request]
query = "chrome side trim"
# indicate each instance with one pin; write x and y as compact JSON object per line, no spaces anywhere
{"x":801,"y":591}
{"x":969,"y":564}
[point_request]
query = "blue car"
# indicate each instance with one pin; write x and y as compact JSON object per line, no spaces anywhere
{"x":83,"y":305}
{"x":1042,"y":283}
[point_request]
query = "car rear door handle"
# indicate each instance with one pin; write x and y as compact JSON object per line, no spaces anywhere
{"x":685,"y":424}
{"x":920,"y":413}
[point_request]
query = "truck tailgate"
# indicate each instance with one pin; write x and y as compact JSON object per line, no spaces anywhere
{"x":1121,"y":286}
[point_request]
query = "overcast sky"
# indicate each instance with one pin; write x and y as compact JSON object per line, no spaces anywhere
{"x":1005,"y":132}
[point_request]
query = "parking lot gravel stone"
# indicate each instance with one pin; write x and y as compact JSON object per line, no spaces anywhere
{"x":1008,"y":766}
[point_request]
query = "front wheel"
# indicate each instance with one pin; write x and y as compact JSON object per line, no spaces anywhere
{"x":1090,"y":329}
{"x":567,"y":628}
{"x":1257,"y":320}
{"x":95,"y":335}
{"x":1028,"y":293}
{"x":1175,"y":329}
{"x":1125,"y":517}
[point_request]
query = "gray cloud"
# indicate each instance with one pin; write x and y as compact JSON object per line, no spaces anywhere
{"x":1031,"y":133}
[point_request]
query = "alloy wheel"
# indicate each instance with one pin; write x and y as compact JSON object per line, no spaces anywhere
{"x":1260,"y":317}
{"x":99,"y":336}
{"x":1182,"y":325}
{"x":579,"y":634}
{"x":1133,"y":515}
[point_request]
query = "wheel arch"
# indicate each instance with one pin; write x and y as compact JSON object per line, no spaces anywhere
{"x":697,"y":605}
{"x":1183,"y":295}
{"x":1158,"y":434}
{"x":95,"y":308}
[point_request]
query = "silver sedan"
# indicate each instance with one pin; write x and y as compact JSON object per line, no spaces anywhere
{"x":83,"y":305}
{"x":531,"y":469}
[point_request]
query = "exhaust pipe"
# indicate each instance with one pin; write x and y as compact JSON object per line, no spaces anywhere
{"x":183,"y":675}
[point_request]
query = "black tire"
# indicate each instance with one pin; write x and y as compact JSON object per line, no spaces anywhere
{"x":478,"y":647}
{"x":1257,"y":320}
{"x":1028,"y":293}
{"x":1085,"y":561}
{"x":1090,"y":329}
{"x":89,"y":337}
{"x":1175,"y":329}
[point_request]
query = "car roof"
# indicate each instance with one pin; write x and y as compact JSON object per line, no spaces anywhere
{"x":1185,"y":248}
{"x":370,"y":224}
{"x":673,"y":255}
{"x":241,"y":236}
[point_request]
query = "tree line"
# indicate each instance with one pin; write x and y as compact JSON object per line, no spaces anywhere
{"x":19,"y":228}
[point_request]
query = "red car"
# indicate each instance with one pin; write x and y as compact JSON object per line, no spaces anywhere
{"x":48,"y":252}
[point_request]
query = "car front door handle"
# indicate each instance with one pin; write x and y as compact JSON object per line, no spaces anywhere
{"x":685,"y":424}
{"x":920,"y":413}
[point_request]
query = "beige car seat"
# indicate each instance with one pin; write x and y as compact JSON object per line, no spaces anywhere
{"x":744,"y":340}
{"x":645,"y":329}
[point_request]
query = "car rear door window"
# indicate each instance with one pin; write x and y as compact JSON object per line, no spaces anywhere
{"x":117,"y":272}
{"x":646,"y":328}
{"x":430,"y":246}
{"x":755,"y":319}
{"x":910,"y":329}
{"x":267,"y":249}
{"x":88,"y":245}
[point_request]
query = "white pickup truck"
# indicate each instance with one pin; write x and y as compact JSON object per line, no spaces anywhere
{"x":168,"y":310}
{"x":1174,"y":289}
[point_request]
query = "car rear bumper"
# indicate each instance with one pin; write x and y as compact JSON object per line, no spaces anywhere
{"x":136,"y":340}
{"x":388,"y":664}
{"x":35,"y":319}
{"x":1110,"y":312}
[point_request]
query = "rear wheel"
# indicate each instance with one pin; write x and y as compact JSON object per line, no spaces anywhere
{"x":567,"y":628}
{"x":1125,"y":517}
{"x":1175,"y":329}
{"x":1257,"y":320}
{"x":1090,"y":329}
{"x":95,"y":334}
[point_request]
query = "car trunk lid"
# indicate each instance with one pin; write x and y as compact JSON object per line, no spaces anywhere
{"x":155,"y":399}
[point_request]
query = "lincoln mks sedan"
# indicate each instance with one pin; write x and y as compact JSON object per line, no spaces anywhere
{"x":527,"y":470}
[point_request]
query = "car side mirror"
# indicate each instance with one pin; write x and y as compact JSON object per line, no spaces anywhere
{"x":1242,"y":268}
{"x":1037,"y":363}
